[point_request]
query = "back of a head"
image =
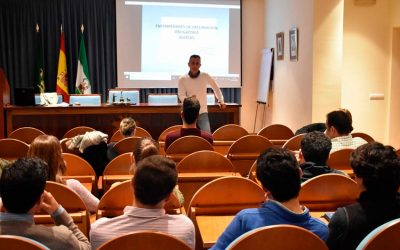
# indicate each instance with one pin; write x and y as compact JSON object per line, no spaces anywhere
{"x":190,"y":109}
{"x":145,"y":147}
{"x":48,"y":148}
{"x":379,"y":168}
{"x":315,"y":147}
{"x":22,"y":184}
{"x":278,"y":171}
{"x":154,"y":179}
{"x":341,"y":119}
{"x":127,"y":126}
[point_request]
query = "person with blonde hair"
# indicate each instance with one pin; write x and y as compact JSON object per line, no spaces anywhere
{"x":48,"y":148}
{"x":127,"y":127}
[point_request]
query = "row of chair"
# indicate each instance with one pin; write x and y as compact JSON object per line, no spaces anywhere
{"x":271,"y":237}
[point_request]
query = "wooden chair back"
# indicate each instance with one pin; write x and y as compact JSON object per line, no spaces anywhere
{"x":385,"y":237}
{"x":245,"y":151}
{"x":80,"y":130}
{"x":145,"y":240}
{"x":252,"y":173}
{"x":161,"y":138}
{"x":340,"y":159}
{"x":14,"y":242}
{"x":283,"y":237}
{"x":185,"y":146}
{"x":224,"y":196}
{"x":199,"y":168}
{"x":71,"y":202}
{"x":126,"y":145}
{"x":226,"y":135}
{"x":120,"y":165}
{"x":139,"y":132}
{"x":118,"y":197}
{"x":79,"y":169}
{"x":204,"y":161}
{"x":11,"y":149}
{"x":278,"y":134}
{"x":294,"y":143}
{"x":327,"y":192}
{"x":365,"y":136}
{"x":25,"y":134}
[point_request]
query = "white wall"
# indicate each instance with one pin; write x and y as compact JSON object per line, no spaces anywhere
{"x":366,"y":65}
{"x":291,"y":97}
{"x":252,"y":42}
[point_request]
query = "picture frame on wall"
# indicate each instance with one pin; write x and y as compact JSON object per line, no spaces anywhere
{"x":280,"y":45}
{"x":294,"y":44}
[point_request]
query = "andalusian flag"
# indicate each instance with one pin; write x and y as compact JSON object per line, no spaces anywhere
{"x":39,"y":69}
{"x":62,"y":79}
{"x":82,"y":75}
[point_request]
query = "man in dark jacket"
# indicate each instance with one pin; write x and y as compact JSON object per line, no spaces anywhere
{"x":314,"y":153}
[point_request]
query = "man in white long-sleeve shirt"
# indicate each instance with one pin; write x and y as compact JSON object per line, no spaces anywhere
{"x":195,"y":83}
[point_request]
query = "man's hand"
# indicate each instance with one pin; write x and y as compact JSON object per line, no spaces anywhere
{"x":221,"y":105}
{"x":48,"y":204}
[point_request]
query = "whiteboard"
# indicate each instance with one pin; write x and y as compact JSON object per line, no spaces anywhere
{"x":265,"y":75}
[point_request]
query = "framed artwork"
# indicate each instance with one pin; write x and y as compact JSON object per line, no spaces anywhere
{"x":279,"y":45}
{"x":294,"y":44}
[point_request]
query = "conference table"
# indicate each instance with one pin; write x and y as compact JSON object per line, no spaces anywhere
{"x":106,"y":118}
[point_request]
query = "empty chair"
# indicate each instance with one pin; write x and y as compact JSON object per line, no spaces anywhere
{"x":185,"y":146}
{"x":14,"y":242}
{"x":126,"y":145}
{"x":80,"y":130}
{"x":226,"y":135}
{"x":327,"y":192}
{"x":252,"y":173}
{"x":385,"y":237}
{"x":163,"y":99}
{"x":283,"y":237}
{"x":215,"y":204}
{"x":117,"y":170}
{"x":85,"y":99}
{"x":245,"y":151}
{"x":79,"y":169}
{"x":25,"y":134}
{"x":340,"y":160}
{"x":11,"y":149}
{"x":199,"y":168}
{"x":278,"y":134}
{"x":118,"y":197}
{"x":145,"y":240}
{"x":294,"y":143}
{"x":123,"y":95}
{"x":365,"y":136}
{"x":71,"y":202}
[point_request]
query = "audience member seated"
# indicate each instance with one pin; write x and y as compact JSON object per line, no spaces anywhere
{"x":127,"y":128}
{"x":377,"y":172}
{"x":22,"y":186}
{"x":48,"y":148}
{"x":148,"y":147}
{"x":154,"y":180}
{"x":314,"y":153}
{"x":189,"y":115}
{"x":339,"y":127}
{"x":279,"y":173}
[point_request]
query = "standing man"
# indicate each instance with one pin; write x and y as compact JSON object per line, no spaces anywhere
{"x":195,"y":83}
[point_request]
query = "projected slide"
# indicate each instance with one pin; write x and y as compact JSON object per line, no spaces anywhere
{"x":156,"y":39}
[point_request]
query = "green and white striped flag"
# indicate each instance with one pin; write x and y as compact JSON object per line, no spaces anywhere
{"x":82,"y":75}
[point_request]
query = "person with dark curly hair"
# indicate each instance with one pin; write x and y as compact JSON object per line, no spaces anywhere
{"x":279,"y":173}
{"x":313,"y":155}
{"x":338,"y":128}
{"x":377,"y":171}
